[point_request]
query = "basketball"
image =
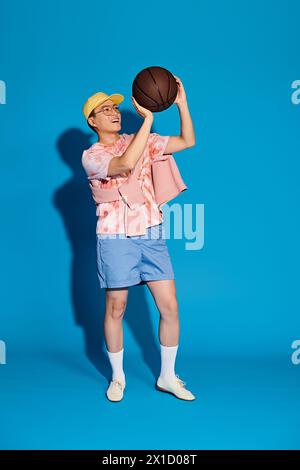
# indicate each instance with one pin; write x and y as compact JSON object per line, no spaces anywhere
{"x":155,"y":88}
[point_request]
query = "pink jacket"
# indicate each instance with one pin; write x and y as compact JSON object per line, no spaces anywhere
{"x":167,"y":183}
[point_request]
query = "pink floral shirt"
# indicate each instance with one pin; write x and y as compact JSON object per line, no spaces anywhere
{"x":95,"y":160}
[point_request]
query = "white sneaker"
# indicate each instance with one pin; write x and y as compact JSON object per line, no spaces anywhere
{"x":115,"y":390}
{"x":176,"y":386}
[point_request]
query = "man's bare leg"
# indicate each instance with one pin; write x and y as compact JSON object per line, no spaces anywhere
{"x":164,"y":295}
{"x":116,"y":300}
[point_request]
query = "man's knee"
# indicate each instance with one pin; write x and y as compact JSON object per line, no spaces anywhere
{"x":115,"y":307}
{"x":169,"y":308}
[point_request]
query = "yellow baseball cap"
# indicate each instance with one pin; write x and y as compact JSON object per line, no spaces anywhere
{"x":98,"y":98}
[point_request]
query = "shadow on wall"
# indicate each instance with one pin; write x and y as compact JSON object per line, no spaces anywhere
{"x":76,"y":206}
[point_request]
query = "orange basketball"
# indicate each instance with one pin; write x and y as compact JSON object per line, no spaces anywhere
{"x":155,"y":88}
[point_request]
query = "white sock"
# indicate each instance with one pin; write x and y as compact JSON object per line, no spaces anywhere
{"x":168,"y":357}
{"x":116,"y":362}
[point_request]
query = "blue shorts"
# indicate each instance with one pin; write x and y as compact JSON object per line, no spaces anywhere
{"x":127,"y":261}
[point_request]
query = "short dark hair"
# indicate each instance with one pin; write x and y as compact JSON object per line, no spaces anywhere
{"x":92,"y":114}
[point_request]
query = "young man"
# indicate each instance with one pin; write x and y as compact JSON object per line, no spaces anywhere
{"x":139,"y":255}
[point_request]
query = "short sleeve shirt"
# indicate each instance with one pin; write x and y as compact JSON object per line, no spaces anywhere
{"x":95,"y":160}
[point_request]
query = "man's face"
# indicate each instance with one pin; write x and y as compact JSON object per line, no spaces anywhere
{"x":106,"y":118}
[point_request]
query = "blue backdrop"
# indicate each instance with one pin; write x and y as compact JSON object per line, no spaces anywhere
{"x":238,"y":295}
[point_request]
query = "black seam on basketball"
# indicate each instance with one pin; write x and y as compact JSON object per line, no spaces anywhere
{"x":168,"y":99}
{"x":162,"y":101}
{"x":145,"y":94}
